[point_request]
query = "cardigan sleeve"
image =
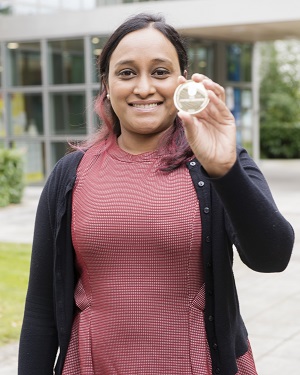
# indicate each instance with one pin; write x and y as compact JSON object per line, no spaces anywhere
{"x":38,"y":341}
{"x":262,"y":236}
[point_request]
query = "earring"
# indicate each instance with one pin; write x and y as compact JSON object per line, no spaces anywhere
{"x":108,"y":97}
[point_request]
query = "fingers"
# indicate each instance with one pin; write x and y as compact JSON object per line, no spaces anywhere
{"x":215,"y":88}
{"x":181,"y":79}
{"x":188,"y":120}
{"x":210,"y":85}
{"x":216,"y":93}
{"x":217,"y":104}
{"x":211,"y":133}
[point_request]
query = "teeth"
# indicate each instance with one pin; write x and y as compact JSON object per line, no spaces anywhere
{"x":152,"y":105}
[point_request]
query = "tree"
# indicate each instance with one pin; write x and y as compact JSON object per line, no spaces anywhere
{"x":279,"y":100}
{"x":280,"y":83}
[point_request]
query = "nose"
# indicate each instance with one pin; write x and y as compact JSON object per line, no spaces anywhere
{"x":144,"y":86}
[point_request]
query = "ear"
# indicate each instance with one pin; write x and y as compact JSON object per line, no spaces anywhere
{"x":106,"y":89}
{"x":104,"y":84}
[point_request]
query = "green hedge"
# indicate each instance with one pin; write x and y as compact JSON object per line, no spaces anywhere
{"x":280,"y":141}
{"x":11,"y":177}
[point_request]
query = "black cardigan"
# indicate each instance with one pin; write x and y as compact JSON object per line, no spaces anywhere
{"x":235,"y":209}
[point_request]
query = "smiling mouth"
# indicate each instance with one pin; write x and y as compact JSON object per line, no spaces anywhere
{"x":145,"y":106}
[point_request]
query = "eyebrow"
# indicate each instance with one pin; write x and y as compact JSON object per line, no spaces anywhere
{"x":157,"y":60}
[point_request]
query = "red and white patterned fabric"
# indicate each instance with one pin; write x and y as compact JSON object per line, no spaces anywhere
{"x":141,"y":295}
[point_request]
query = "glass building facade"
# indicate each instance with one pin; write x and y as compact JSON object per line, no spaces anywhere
{"x":239,"y":90}
{"x":48,"y":87}
{"x":52,"y":6}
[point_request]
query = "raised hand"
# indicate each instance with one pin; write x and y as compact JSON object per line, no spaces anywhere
{"x":212,"y":132}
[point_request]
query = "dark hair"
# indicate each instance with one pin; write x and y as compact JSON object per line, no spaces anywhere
{"x":142,"y":21}
{"x":174,"y":139}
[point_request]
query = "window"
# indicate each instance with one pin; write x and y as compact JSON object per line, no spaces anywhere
{"x":24,"y":64}
{"x":97,"y":45}
{"x":26,"y":114}
{"x":200,"y":59}
{"x":239,"y":62}
{"x":58,"y":150}
{"x":96,"y":119}
{"x":33,"y":156}
{"x":68,"y":113}
{"x":66,"y":61}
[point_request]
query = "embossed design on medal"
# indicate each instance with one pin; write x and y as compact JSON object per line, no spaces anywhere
{"x":191,"y":97}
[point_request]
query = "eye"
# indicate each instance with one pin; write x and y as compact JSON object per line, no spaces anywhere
{"x":126,"y":73}
{"x":161,"y":73}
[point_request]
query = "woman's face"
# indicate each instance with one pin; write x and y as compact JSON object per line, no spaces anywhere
{"x":143,"y":72}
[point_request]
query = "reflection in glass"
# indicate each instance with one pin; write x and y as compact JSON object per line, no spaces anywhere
{"x":246,"y":118}
{"x":66,"y":61}
{"x":239,"y":62}
{"x":201,"y":58}
{"x":24,"y":61}
{"x":26,"y":114}
{"x":58,"y":150}
{"x":242,"y":111}
{"x":97,"y":46}
{"x":236,"y":111}
{"x":34,"y":159}
{"x":68,"y":113}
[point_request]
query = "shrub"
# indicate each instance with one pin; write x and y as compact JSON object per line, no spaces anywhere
{"x":279,"y":100}
{"x":280,"y":141}
{"x":11,"y":177}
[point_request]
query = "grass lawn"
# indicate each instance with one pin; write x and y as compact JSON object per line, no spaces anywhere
{"x":14,"y":272}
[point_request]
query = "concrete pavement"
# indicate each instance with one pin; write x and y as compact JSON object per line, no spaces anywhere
{"x":270,"y":303}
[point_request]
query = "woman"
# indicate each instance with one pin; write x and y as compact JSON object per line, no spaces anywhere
{"x":131,"y":268}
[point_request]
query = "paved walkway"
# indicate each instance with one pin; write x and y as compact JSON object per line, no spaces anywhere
{"x":270,"y":303}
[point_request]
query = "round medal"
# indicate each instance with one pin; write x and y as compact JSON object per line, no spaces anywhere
{"x":191,"y":97}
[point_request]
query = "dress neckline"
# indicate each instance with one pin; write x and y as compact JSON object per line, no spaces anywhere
{"x":116,"y":152}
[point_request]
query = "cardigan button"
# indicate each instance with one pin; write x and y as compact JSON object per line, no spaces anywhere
{"x":201,"y":183}
{"x":211,"y":318}
{"x":207,"y":239}
{"x":218,"y":370}
{"x":206,"y":210}
{"x":192,"y":163}
{"x":215,"y":346}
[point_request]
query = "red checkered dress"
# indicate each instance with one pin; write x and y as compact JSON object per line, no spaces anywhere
{"x":140,"y":295}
